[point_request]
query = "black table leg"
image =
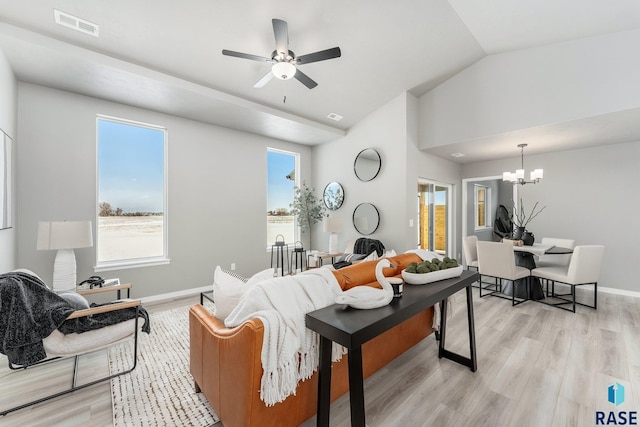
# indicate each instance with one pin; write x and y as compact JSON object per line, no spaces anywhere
{"x":324,"y":383}
{"x":443,"y":327}
{"x":470,"y":361}
{"x":356,"y":387}
{"x":472,"y":330}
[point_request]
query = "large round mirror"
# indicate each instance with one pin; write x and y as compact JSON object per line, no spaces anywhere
{"x":333,"y":196}
{"x":366,"y":218}
{"x":367,"y":164}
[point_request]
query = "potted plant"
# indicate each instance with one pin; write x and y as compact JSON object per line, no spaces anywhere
{"x":521,"y":219}
{"x":307,"y":208}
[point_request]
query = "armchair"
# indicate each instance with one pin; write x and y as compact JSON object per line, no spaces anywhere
{"x":97,"y":328}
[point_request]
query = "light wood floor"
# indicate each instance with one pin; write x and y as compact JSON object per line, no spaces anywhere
{"x":537,"y":366}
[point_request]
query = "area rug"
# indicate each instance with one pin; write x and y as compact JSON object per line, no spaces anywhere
{"x":160,"y":390}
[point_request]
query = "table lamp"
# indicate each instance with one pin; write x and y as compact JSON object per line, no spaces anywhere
{"x":65,"y":236}
{"x":333,"y":226}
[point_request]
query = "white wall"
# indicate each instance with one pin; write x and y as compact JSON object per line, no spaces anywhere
{"x":532,"y":87}
{"x":591,"y":197}
{"x":392,"y":130}
{"x":8,"y":101}
{"x":217,"y":188}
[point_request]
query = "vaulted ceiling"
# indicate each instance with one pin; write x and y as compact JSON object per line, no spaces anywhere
{"x":165,"y":55}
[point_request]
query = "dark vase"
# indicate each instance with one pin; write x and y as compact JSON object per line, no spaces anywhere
{"x":517,"y":232}
{"x":528,"y":238}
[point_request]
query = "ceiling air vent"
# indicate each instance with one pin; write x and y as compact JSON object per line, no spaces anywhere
{"x":334,"y":116}
{"x":76,"y":23}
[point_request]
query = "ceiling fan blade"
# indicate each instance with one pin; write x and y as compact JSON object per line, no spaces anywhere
{"x":263,"y":81}
{"x":246,"y":56}
{"x":319,"y":56}
{"x":304,"y":79}
{"x":281,"y":33}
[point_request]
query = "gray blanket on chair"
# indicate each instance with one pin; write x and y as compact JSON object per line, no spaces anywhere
{"x":29,"y":312}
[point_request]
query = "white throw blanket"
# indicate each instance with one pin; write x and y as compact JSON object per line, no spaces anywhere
{"x":290,"y":350}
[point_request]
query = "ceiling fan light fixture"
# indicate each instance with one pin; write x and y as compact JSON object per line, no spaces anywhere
{"x":283,"y":70}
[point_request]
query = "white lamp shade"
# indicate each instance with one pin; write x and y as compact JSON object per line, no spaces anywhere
{"x":332,"y":225}
{"x":519,"y":173}
{"x":537,"y":174}
{"x":283,"y":70}
{"x":64,"y":235}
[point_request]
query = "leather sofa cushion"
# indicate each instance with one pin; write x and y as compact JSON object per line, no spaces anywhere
{"x":364,"y":273}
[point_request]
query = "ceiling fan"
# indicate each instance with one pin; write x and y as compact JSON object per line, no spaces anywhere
{"x":284,"y":61}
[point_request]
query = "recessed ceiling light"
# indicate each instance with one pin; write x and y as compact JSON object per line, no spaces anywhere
{"x":457,"y":155}
{"x":76,"y":23}
{"x":336,"y":117}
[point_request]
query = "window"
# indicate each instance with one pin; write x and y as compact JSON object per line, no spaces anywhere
{"x":281,"y":179}
{"x":435,"y":210}
{"x":482,"y":207}
{"x":132,"y":214}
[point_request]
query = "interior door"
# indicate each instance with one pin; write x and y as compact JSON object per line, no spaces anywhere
{"x":434,"y":216}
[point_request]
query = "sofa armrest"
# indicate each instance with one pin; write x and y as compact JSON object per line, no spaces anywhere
{"x":226,"y":364}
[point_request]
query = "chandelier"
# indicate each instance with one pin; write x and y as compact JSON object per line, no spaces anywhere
{"x":518,"y":176}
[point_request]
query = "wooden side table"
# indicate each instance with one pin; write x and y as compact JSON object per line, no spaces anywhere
{"x":117,"y":288}
{"x":322,"y":257}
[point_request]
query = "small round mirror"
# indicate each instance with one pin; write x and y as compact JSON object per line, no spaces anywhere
{"x":366,"y":218}
{"x":333,"y":196}
{"x":367,"y":164}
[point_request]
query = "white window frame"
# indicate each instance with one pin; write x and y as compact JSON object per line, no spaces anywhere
{"x":487,"y":207}
{"x":296,"y":183}
{"x":135,"y":262}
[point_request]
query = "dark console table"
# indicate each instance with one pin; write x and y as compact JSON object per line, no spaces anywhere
{"x":352,"y":328}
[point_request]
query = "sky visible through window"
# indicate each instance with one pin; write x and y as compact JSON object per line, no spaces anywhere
{"x":280,"y":189}
{"x":131,"y":167}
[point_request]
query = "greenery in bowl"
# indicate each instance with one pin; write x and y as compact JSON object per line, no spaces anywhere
{"x":435,"y":264}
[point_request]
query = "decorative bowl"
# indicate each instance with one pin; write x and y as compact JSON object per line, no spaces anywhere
{"x":434,"y":276}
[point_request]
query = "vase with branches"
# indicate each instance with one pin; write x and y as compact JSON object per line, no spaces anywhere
{"x":521,"y":218}
{"x":307,"y":208}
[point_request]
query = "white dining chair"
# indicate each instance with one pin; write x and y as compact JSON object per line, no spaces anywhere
{"x":556,"y":260}
{"x":496,"y":259}
{"x":584,"y":269}
{"x":470,"y":251}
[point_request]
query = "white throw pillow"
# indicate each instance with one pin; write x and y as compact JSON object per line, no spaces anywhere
{"x":371,"y":257}
{"x":228,"y":288}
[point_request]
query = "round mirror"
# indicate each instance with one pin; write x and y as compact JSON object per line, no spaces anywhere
{"x":367,"y":164}
{"x":333,"y":196}
{"x":366,"y":218}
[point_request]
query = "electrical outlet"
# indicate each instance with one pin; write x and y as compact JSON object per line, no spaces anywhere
{"x":233,"y":266}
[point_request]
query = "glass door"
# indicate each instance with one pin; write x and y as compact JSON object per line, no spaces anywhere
{"x":435,"y":201}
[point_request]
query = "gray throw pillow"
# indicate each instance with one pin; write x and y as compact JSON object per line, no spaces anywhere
{"x":351,"y":257}
{"x":77,"y":301}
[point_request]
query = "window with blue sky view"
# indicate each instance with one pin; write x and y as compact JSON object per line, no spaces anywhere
{"x":281,"y":176}
{"x":131,"y":191}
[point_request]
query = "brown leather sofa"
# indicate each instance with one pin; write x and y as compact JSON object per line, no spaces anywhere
{"x":226,"y":367}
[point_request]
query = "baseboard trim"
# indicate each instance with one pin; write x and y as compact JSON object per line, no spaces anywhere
{"x":588,"y":290}
{"x":624,"y":292}
{"x":175,"y":295}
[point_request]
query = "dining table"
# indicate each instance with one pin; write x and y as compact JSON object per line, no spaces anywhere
{"x":525,"y":257}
